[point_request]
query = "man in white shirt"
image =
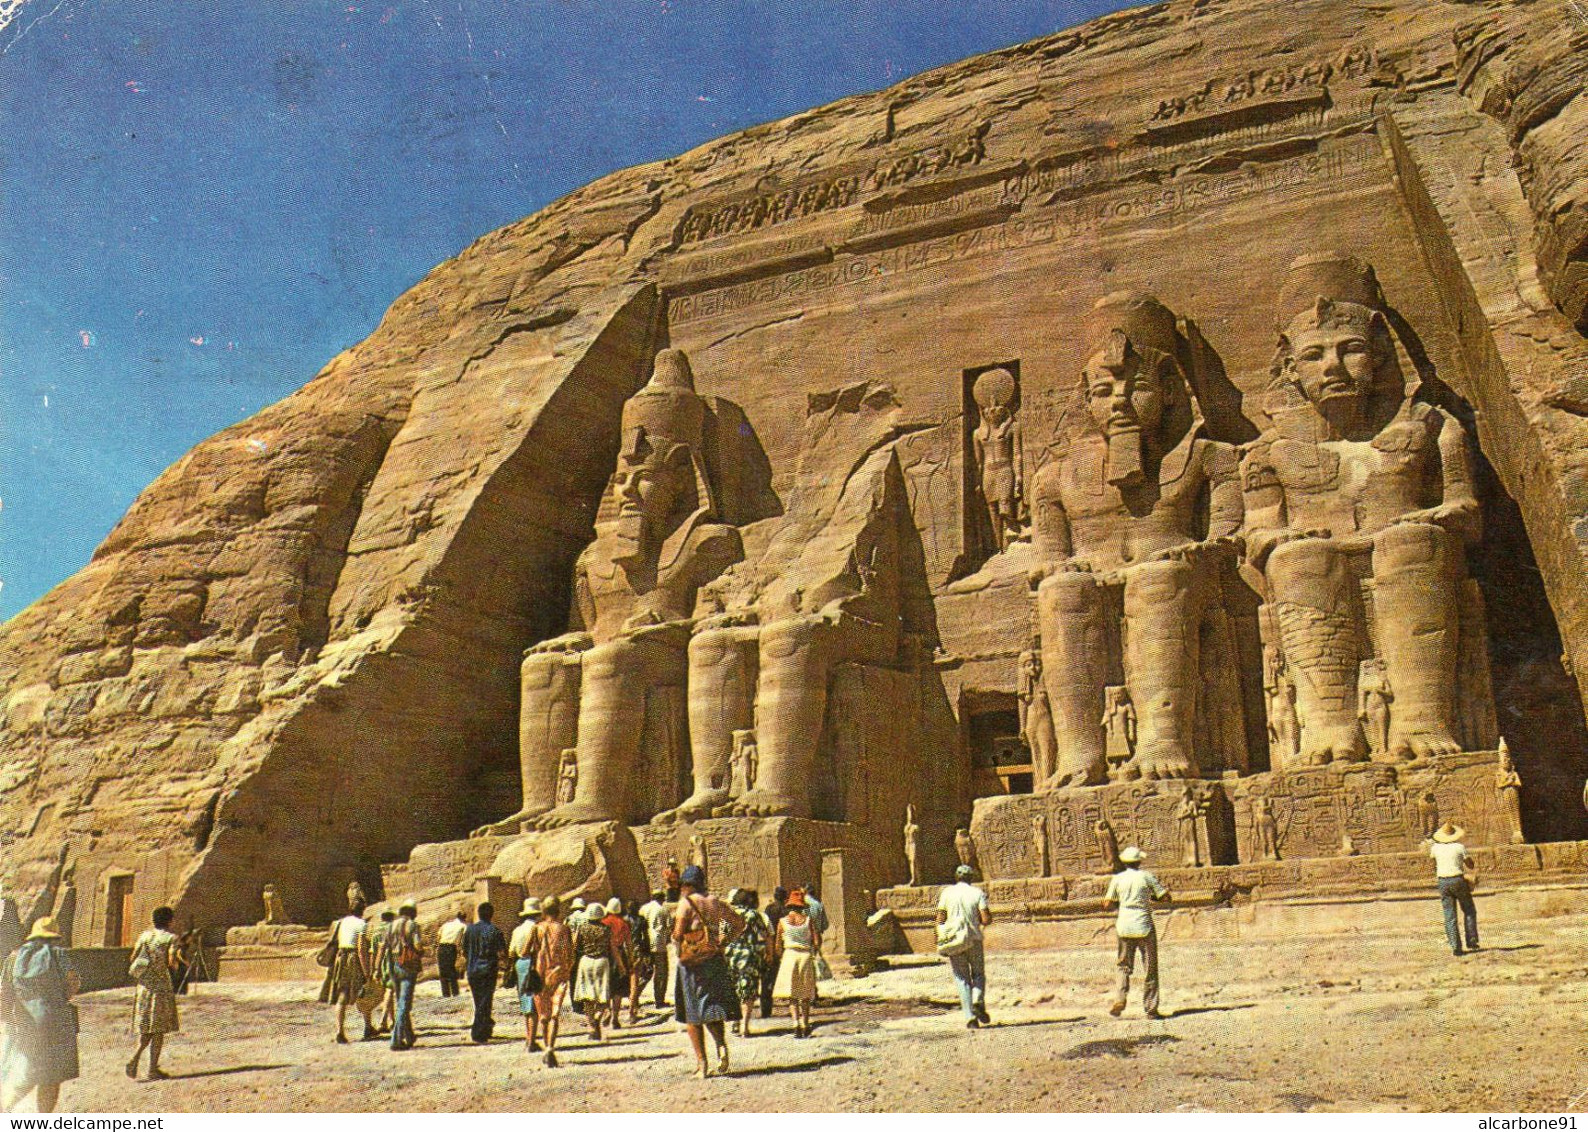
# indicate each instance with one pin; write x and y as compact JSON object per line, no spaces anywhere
{"x":447,"y":941}
{"x":1451,"y":865}
{"x":962,"y":910}
{"x":1134,"y":889}
{"x":659,"y":926}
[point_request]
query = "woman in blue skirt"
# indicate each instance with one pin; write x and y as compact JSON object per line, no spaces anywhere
{"x":703,"y":993}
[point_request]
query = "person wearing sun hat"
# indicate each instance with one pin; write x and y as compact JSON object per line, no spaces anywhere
{"x":962,"y":918}
{"x":521,"y":954}
{"x":1453,"y":875}
{"x":1134,"y":889}
{"x":38,"y":1058}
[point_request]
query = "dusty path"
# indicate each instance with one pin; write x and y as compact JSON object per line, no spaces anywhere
{"x":1378,"y":1023}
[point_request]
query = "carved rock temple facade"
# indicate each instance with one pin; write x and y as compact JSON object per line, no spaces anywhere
{"x":1167,"y":432}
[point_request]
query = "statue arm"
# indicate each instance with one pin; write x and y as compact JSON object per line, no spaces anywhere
{"x":584,"y":611}
{"x":1226,"y":505}
{"x":1017,"y":457}
{"x":1262,"y":504}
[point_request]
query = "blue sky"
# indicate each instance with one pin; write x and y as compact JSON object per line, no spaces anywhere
{"x":201,"y":203}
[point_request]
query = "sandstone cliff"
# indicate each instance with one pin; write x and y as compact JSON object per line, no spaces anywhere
{"x":297,"y":655}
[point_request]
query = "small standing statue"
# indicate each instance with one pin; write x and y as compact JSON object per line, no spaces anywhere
{"x":1373,"y":706}
{"x":1347,"y":846}
{"x":1508,"y":783}
{"x":1267,"y":828}
{"x":1107,"y":844}
{"x":743,"y":763}
{"x":567,"y":776}
{"x":999,"y":454}
{"x":1039,"y":842}
{"x":66,"y":910}
{"x":355,"y":894}
{"x":1284,"y":732}
{"x":697,"y":852}
{"x":965,"y":847}
{"x":1427,"y":814}
{"x":1036,"y":716}
{"x":912,"y":845}
{"x":1119,"y":729}
{"x":1186,"y":815}
{"x":275,"y":913}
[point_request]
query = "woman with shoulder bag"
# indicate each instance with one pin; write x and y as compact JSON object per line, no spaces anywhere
{"x":525,"y":978}
{"x":154,"y":957}
{"x":703,"y":994}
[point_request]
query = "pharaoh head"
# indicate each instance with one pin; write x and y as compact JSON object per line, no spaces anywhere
{"x":659,"y":482}
{"x":1133,"y":382}
{"x":994,"y":392}
{"x":1335,"y":349}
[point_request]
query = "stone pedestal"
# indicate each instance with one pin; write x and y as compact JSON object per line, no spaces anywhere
{"x":1380,"y":807}
{"x":1143,"y":814}
{"x":762,"y":853}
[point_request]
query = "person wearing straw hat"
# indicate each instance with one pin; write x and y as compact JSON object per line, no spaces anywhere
{"x":1134,"y":889}
{"x":521,"y":953}
{"x":38,"y":1050}
{"x":551,"y":943}
{"x":962,"y":918}
{"x":154,"y":957}
{"x":1453,"y":874}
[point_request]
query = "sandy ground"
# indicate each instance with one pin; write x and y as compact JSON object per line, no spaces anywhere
{"x":1380,"y":1023}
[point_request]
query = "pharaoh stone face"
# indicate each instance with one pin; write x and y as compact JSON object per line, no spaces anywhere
{"x":1334,"y":366}
{"x":647,"y":491}
{"x":1123,"y":396}
{"x":995,"y":413}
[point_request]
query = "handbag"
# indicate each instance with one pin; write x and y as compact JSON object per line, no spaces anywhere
{"x":953,"y":939}
{"x":327,"y":953}
{"x":698,"y":944}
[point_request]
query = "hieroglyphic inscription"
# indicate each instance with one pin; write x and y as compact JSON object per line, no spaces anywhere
{"x":1041,"y":226}
{"x":736,"y":217}
{"x":1272,"y":82}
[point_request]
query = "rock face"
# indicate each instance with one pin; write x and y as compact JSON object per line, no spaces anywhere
{"x":298,"y":655}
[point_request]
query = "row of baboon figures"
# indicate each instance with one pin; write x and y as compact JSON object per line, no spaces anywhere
{"x":1172,"y":562}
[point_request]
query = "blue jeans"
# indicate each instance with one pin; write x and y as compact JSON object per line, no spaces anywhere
{"x":402,"y":1031}
{"x":970,"y":975}
{"x":1454,"y":891}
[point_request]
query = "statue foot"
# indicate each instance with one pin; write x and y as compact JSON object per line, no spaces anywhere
{"x":1085,"y":776}
{"x":1341,"y":745}
{"x":1421,"y":744}
{"x":765,"y":804}
{"x":574,"y":813}
{"x":700,"y":804}
{"x":514,"y":824}
{"x":1163,"y":766}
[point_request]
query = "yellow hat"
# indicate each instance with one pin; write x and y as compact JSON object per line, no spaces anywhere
{"x":1449,"y":832}
{"x":44,"y":928}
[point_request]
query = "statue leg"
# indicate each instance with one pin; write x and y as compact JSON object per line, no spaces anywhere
{"x":1161,"y":666}
{"x":612,"y":697}
{"x":1070,"y":609}
{"x":722,"y":679}
{"x":796,"y":657}
{"x":1312,"y":590}
{"x":1416,"y":601}
{"x":548,"y":724}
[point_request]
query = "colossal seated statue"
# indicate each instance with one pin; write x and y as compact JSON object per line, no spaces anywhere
{"x":1358,"y":501}
{"x":1133,"y":517}
{"x":657,"y":542}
